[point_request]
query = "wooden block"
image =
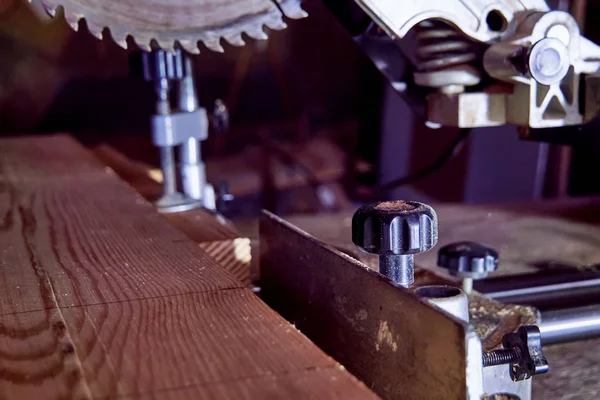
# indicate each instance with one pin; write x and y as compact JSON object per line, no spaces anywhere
{"x":199,"y":339}
{"x":300,"y":385}
{"x":234,"y":255}
{"x":214,"y":234}
{"x":101,"y":297}
{"x":37,"y":358}
{"x":108,"y":243}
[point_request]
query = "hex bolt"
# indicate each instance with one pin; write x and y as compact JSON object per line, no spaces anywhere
{"x":522,"y":351}
{"x":468,"y":260}
{"x":396,"y":231}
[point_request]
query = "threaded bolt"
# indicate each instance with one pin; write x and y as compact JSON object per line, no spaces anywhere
{"x":501,"y":357}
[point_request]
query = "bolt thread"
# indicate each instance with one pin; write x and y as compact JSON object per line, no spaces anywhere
{"x":501,"y":357}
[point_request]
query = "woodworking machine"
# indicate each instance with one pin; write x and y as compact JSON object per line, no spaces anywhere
{"x":475,"y":63}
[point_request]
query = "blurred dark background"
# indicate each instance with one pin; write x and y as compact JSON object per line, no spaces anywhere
{"x":308,"y":91}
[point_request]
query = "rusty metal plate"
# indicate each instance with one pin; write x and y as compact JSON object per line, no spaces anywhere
{"x":395,"y":343}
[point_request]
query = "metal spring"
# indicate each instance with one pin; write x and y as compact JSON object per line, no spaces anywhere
{"x":443,"y":48}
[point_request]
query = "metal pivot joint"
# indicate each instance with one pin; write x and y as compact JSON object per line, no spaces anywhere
{"x":396,"y":231}
{"x":468,"y":260}
{"x":522,"y":351}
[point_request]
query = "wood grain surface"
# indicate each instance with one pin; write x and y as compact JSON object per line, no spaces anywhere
{"x":217,"y":236}
{"x":101,"y":298}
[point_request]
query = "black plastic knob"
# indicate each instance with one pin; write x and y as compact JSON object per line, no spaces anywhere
{"x":468,"y":259}
{"x":395,"y":227}
{"x":396,"y":230}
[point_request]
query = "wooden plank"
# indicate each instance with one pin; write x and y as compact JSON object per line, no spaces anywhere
{"x":394,"y":342}
{"x":214,"y":234}
{"x":101,"y":297}
{"x":37,"y":356}
{"x":295,"y":385}
{"x":190,"y":340}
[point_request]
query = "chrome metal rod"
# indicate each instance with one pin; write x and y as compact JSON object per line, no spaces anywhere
{"x":193,"y":172}
{"x":544,"y":291}
{"x":190,"y":152}
{"x":167,"y":160}
{"x":399,"y":268}
{"x":568,"y":325}
{"x":188,"y":98}
{"x":162,"y":97}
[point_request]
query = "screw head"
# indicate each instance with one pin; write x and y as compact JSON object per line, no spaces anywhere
{"x":395,"y":227}
{"x":468,"y":259}
{"x":549,"y":61}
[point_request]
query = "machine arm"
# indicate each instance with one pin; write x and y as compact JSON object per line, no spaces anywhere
{"x":479,"y":62}
{"x":487,"y":62}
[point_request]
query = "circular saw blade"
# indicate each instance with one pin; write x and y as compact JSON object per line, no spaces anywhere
{"x":187,"y":22}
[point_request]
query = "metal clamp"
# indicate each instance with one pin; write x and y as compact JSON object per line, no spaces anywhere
{"x":523,"y":351}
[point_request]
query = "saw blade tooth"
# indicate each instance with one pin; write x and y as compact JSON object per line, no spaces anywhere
{"x":293,"y":9}
{"x":122,"y":43}
{"x":120,"y":39}
{"x":257,"y":32}
{"x":274,"y":20}
{"x":215,"y":44}
{"x":73,"y":20}
{"x":166,"y":44}
{"x":190,"y":46}
{"x":118,"y":36}
{"x":51,"y":9}
{"x":143,"y":45}
{"x":277,"y":25}
{"x":96,"y":30}
{"x":235,"y":39}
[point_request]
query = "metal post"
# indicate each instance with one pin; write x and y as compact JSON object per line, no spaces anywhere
{"x":568,"y":325}
{"x":193,"y":170}
{"x":399,"y":268}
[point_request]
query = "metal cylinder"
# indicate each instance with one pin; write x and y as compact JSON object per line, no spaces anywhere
{"x":561,"y":326}
{"x":161,"y":87}
{"x":546,"y":291}
{"x":167,"y":161}
{"x":188,"y":98}
{"x":191,"y":152}
{"x":449,"y":298}
{"x":399,"y":268}
{"x":193,"y":170}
